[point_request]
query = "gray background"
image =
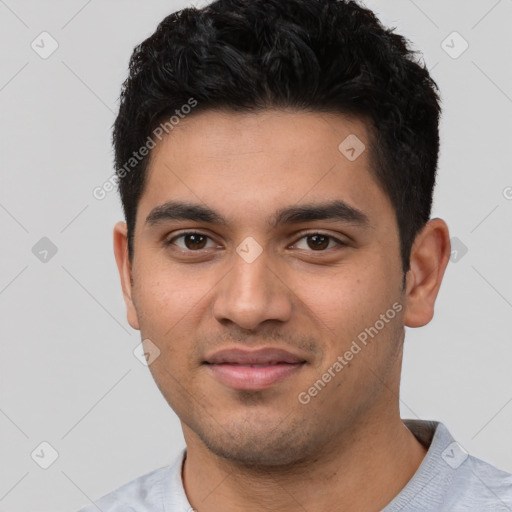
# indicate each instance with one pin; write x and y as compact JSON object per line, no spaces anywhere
{"x":68,"y":375}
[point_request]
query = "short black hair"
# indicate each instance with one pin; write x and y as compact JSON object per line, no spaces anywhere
{"x":315,"y":55}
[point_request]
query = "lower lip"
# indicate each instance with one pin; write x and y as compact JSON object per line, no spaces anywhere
{"x":253,"y":378}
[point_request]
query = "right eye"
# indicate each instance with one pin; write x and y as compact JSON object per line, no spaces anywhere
{"x":193,"y":241}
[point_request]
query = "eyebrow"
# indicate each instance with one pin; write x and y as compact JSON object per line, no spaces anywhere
{"x":336,"y":211}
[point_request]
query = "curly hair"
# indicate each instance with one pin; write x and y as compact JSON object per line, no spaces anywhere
{"x":320,"y":55}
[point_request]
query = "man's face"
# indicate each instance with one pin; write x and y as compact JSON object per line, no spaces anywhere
{"x":310,"y":287}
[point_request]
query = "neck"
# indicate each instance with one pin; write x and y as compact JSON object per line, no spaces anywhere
{"x":364,"y":471}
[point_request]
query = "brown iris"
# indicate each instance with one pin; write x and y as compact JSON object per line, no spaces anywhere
{"x":319,"y":241}
{"x":196,"y":240}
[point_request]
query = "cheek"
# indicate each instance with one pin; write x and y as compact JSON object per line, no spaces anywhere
{"x":345,"y":302}
{"x":167,"y":307}
{"x":165,"y":298}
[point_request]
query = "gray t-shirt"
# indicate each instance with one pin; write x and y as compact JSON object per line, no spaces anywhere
{"x":448,"y":479}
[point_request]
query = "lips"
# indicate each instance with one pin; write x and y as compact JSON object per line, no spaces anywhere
{"x":255,"y":357}
{"x":253,"y":370}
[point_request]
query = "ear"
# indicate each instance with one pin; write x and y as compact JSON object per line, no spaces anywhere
{"x":125,"y":271}
{"x":430,"y":254}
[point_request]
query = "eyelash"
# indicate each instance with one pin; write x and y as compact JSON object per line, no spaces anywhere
{"x":302,"y":235}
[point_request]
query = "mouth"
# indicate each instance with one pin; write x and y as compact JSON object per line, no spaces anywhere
{"x":253,"y":370}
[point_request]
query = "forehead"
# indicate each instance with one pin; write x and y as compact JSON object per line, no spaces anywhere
{"x":227,"y":134}
{"x":257,"y":162}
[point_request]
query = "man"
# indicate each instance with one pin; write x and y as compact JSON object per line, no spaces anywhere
{"x":276,"y":163}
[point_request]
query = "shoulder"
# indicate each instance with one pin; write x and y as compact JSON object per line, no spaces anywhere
{"x":482,"y":485}
{"x":146,"y":493}
{"x":450,"y":479}
{"x":134,"y":496}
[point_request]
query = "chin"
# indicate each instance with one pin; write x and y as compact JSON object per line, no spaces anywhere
{"x":248,"y":445}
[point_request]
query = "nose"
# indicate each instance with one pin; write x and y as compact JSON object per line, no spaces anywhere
{"x":252,"y":293}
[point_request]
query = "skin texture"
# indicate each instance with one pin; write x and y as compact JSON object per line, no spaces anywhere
{"x":347,"y":449}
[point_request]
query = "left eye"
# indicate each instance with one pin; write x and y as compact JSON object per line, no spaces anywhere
{"x":319,"y":241}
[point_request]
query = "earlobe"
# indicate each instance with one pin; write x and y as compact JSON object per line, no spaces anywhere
{"x":125,"y":271}
{"x":429,"y":257}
